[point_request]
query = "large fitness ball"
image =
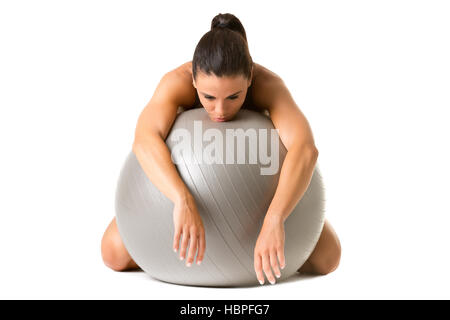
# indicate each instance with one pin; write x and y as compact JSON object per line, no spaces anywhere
{"x":233,"y":178}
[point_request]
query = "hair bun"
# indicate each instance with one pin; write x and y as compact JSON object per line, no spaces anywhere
{"x":222,"y":20}
{"x":220,"y":25}
{"x":228,"y":21}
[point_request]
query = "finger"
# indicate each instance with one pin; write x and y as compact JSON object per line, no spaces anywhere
{"x":267,"y":269}
{"x":258,"y":269}
{"x":184,"y":243}
{"x":281,"y":258}
{"x":202,"y":247}
{"x":274,"y":263}
{"x":176,"y":239}
{"x":192,"y":248}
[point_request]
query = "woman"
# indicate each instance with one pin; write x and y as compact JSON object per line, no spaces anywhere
{"x":223,"y":78}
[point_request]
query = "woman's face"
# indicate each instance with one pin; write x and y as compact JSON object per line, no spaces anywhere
{"x":222,"y":97}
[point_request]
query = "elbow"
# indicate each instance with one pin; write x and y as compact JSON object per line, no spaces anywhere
{"x":315,"y":152}
{"x":136,"y":141}
{"x":310,"y":152}
{"x":134,"y":147}
{"x":141,"y":141}
{"x":136,"y":144}
{"x":305,"y":152}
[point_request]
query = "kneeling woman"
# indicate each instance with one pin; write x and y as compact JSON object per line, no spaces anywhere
{"x":222,"y":78}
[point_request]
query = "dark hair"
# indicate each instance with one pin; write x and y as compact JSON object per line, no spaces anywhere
{"x":223,"y":50}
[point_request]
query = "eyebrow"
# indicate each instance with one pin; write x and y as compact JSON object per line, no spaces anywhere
{"x":214,"y":97}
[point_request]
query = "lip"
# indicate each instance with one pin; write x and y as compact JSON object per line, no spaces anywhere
{"x":219,"y":119}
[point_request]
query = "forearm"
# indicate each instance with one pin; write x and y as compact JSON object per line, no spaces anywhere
{"x":295,"y":176}
{"x":155,"y":159}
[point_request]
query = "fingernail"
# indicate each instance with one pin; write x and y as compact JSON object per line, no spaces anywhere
{"x":181,"y":258}
{"x":198,"y":262}
{"x":272,"y":281}
{"x":278,"y":275}
{"x":188,"y":264}
{"x":282,"y":267}
{"x":174,"y":249}
{"x":261,"y":282}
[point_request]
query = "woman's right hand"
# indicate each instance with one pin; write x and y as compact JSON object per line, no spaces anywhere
{"x":188,"y":226}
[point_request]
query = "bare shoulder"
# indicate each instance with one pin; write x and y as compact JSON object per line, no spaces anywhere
{"x":179,"y":82}
{"x":266,"y":84}
{"x":263,"y":74}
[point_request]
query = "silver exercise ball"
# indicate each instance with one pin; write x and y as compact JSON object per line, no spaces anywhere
{"x":232,"y":197}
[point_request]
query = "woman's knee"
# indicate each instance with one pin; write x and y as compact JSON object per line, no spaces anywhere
{"x":330,"y":261}
{"x":114,"y":253}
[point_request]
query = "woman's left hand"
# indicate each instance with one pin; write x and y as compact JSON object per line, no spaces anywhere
{"x":269,"y":247}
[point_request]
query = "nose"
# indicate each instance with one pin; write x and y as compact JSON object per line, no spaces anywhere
{"x":220,"y":109}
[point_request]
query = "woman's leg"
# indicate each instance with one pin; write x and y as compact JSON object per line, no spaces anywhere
{"x":326,"y":255}
{"x":114,"y":253}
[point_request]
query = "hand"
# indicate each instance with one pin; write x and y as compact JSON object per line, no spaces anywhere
{"x":188,"y":225}
{"x":269,"y":247}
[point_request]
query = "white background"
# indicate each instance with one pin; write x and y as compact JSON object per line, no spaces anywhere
{"x":372,"y":77}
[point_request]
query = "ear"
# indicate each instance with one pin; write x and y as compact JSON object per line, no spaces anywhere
{"x":193,"y":82}
{"x":249,"y":82}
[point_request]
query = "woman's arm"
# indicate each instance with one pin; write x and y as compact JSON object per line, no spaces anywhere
{"x":295,"y":175}
{"x":297,"y":137}
{"x":301,"y":157}
{"x":154,"y":156}
{"x":149,"y":145}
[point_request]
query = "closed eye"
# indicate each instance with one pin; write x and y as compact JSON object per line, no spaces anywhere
{"x":212,"y":98}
